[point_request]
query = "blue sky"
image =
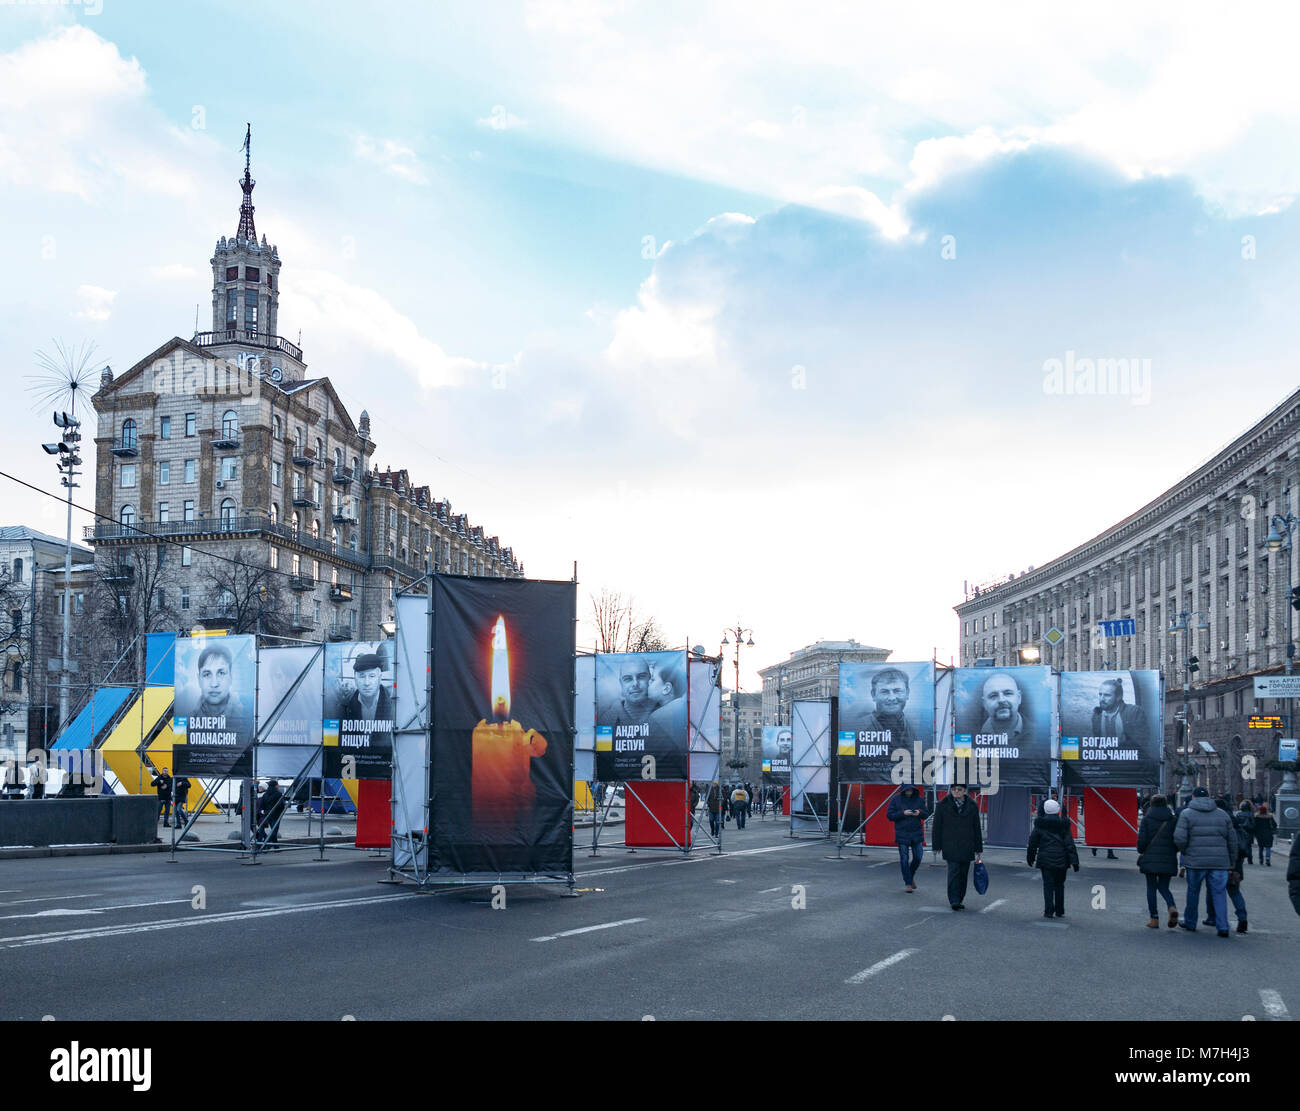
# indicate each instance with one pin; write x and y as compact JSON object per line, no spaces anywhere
{"x":772,"y":296}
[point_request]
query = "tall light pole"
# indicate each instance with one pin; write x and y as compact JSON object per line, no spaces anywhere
{"x":746,"y":635}
{"x":1279,"y":540}
{"x":68,"y":462}
{"x":1191,"y":665}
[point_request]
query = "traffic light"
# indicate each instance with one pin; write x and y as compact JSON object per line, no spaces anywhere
{"x":1194,"y":665}
{"x":1295,"y":597}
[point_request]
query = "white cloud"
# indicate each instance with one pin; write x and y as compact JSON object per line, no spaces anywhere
{"x":394,"y":157}
{"x":500,"y":120}
{"x":96,"y":302}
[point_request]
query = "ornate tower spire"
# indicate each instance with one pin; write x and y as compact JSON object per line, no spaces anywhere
{"x":246,"y":228}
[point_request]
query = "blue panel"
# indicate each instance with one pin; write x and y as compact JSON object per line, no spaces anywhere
{"x":341,"y":801}
{"x":160,"y":659}
{"x":87,"y":727}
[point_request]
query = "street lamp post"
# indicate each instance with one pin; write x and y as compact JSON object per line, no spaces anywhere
{"x":68,"y":462}
{"x":747,"y":636}
{"x":1191,"y":664}
{"x":1279,"y":540}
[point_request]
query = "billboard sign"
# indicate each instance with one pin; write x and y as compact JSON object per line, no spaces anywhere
{"x":358,"y":722}
{"x":641,"y":718}
{"x":214,"y":718}
{"x":885,"y":709}
{"x":1002,"y":725}
{"x":1111,"y":728}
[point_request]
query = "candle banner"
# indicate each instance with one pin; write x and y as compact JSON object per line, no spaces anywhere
{"x":215,"y":712}
{"x":641,"y":724}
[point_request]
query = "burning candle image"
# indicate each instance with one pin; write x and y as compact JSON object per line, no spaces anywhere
{"x":502,"y":785}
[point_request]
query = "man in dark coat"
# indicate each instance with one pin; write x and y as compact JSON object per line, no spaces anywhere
{"x":957,"y":836}
{"x":1208,"y":842}
{"x":181,"y":787}
{"x":1158,"y":858}
{"x":1265,"y":828}
{"x":908,"y":811}
{"x":1244,"y":821}
{"x":163,"y":782}
{"x":1051,"y":845}
{"x":270,"y":809}
{"x":713,"y":800}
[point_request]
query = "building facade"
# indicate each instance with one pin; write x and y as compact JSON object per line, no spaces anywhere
{"x":811,"y":674}
{"x":224,"y":448}
{"x":1199,"y":549}
{"x":742,"y":714}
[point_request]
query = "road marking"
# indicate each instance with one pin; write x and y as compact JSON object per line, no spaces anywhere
{"x":24,"y":940}
{"x":51,"y":899}
{"x":769,"y":890}
{"x":995,"y":903}
{"x":68,"y":912}
{"x":927,"y":918}
{"x":1273,"y":1004}
{"x":589,"y":929}
{"x":690,"y":860}
{"x":880,"y":966}
{"x":881,"y":863}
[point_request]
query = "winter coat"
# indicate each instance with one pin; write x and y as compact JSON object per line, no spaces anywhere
{"x":1205,"y":837}
{"x":713,"y":799}
{"x":907,"y":829}
{"x":1244,"y":821}
{"x":182,"y":789}
{"x":163,"y":782}
{"x":1052,"y":844}
{"x":957,"y":833}
{"x":1156,"y":842}
{"x":1265,"y":827}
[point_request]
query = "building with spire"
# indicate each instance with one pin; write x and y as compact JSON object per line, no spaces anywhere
{"x":223,"y":449}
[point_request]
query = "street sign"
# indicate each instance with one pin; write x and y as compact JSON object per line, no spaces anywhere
{"x":1286,"y":749}
{"x":1053,"y":636}
{"x":1124,"y":627}
{"x":1266,"y":721}
{"x":1277,"y":686}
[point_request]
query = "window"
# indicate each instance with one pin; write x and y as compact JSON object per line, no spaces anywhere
{"x":315,"y":612}
{"x":356,"y":467}
{"x":293,"y":521}
{"x":320,"y":450}
{"x":352,"y":541}
{"x":297,"y":485}
{"x":187,"y":509}
{"x":315,"y":529}
{"x":128,"y":475}
{"x":318,"y":493}
{"x":16,"y":683}
{"x":229,"y":468}
{"x":128,"y":433}
{"x":78,"y":603}
{"x":190,"y":469}
{"x":185,"y":597}
{"x":252,"y":274}
{"x":315,"y":570}
{"x":1238,"y":702}
{"x":190,"y":424}
{"x":232,"y":273}
{"x":250,"y":310}
{"x":334,"y":576}
{"x":338,"y":458}
{"x":232,"y":307}
{"x":16,"y":617}
{"x":297,"y":440}
{"x":277,"y":426}
{"x":334,"y":539}
{"x":18,"y":570}
{"x":187,"y":556}
{"x":227,"y":512}
{"x":162,"y":515}
{"x":164,"y":428}
{"x":276,"y":474}
{"x":164,"y":474}
{"x":275,"y":558}
{"x":295,"y":563}
{"x":230,"y":424}
{"x":128,"y":515}
{"x":275,"y":513}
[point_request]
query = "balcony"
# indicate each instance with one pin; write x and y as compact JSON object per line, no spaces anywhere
{"x":253,"y":338}
{"x":301,"y":582}
{"x":217,"y":616}
{"x":339,"y":593}
{"x":303,"y":500}
{"x":126,"y":449}
{"x":227,"y":439}
{"x":300,"y":623}
{"x":302,"y":456}
{"x":207,"y":527}
{"x":340,"y":632}
{"x":343,"y":516}
{"x":342,"y":476}
{"x":121,"y":575}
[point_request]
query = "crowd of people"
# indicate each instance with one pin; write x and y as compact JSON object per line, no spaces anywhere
{"x":173,"y":802}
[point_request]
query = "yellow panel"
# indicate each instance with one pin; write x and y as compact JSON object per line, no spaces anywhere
{"x":160,"y":755}
{"x":581,"y":795}
{"x":351,"y":788}
{"x":139,"y":720}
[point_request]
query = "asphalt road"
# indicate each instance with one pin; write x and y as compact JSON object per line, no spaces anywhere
{"x":653,"y":934}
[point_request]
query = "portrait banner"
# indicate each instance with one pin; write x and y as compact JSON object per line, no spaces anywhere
{"x":778,"y":742}
{"x":358,"y":723}
{"x":214,"y":718}
{"x":1002,"y":726}
{"x":1111,"y":728}
{"x":706,"y":720}
{"x":641,"y":716}
{"x":886,"y":718}
{"x":501,"y":765}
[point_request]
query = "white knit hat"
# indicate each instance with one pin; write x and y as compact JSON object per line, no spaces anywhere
{"x":1051,"y":806}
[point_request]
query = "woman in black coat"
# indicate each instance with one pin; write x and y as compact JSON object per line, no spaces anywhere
{"x":1265,"y":828}
{"x":1053,"y":848}
{"x":1158,"y":858}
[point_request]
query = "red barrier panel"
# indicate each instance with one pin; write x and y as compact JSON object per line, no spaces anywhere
{"x":374,"y":814}
{"x":785,"y":801}
{"x":879,"y":830}
{"x":1110,"y":817}
{"x":655,"y":816}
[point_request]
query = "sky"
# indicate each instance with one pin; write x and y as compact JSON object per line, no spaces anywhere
{"x":761,"y":313}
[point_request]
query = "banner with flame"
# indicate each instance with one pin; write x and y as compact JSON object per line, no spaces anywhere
{"x":503,"y":720}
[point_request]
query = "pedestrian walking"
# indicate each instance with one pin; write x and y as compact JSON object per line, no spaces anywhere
{"x":1233,"y":892}
{"x":908,"y":812}
{"x":1158,"y":858}
{"x":957,"y":836}
{"x":269,"y":813}
{"x":1244,"y":821}
{"x":1205,"y":836}
{"x":740,"y":805}
{"x":1265,"y":829}
{"x":181,"y":794}
{"x":1053,"y":849}
{"x":1293,"y":875}
{"x":713,"y":800}
{"x":163,"y":782}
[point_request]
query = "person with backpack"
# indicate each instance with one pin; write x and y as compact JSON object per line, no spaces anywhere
{"x":163,"y":782}
{"x":1244,"y":820}
{"x":1158,"y":858}
{"x":1051,"y":845}
{"x":1265,"y":829}
{"x":740,"y":804}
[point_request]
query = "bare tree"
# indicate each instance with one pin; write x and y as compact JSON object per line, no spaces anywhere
{"x":136,"y":591}
{"x":248,"y":593}
{"x":645,"y":635}
{"x":13,"y":643}
{"x":621,"y":628}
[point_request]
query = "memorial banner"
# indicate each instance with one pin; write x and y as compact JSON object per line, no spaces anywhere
{"x":358,"y":726}
{"x":778,"y":741}
{"x":289,"y":692}
{"x":214,"y":717}
{"x":1111,"y":728}
{"x":1002,"y":726}
{"x":886,"y":715}
{"x":501,"y":785}
{"x":641,"y":727}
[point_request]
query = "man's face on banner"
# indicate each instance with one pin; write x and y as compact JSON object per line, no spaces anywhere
{"x":1109,"y":695}
{"x":890,"y":695}
{"x":784,"y":742}
{"x":368,"y":682}
{"x":1001,"y":699}
{"x":634,"y":678}
{"x":214,"y":679}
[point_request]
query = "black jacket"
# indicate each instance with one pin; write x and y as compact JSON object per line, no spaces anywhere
{"x":1265,"y":827}
{"x":268,"y":806}
{"x":1052,"y":844}
{"x":1156,"y":842}
{"x":957,"y":835}
{"x":907,"y":829}
{"x":182,"y":789}
{"x":163,"y":782}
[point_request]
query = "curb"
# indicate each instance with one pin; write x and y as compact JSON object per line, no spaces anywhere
{"x":39,"y":851}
